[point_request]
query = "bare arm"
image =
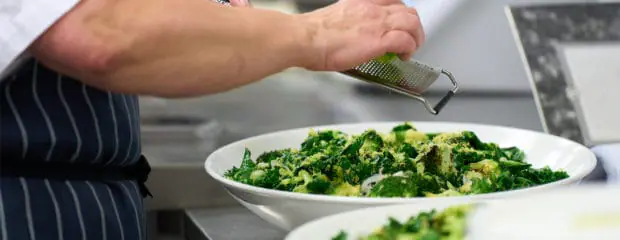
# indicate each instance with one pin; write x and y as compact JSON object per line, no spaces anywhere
{"x":173,"y":48}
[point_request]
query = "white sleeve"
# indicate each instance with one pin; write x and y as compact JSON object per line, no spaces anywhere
{"x":21,"y":22}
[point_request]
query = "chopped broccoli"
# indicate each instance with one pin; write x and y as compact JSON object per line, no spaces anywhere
{"x":449,"y":138}
{"x":513,"y":166}
{"x":243,"y":173}
{"x":404,"y":127}
{"x":345,"y":189}
{"x":485,"y":167}
{"x":371,"y":142}
{"x":436,"y":159}
{"x":411,"y":164}
{"x":541,"y":176}
{"x":395,"y":186}
{"x":514,"y":154}
{"x":320,"y":184}
{"x":341,"y":236}
{"x":406,"y":133}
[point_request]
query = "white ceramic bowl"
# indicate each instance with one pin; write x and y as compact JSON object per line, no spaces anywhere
{"x":288,"y":210}
{"x":360,"y":222}
{"x":569,"y":213}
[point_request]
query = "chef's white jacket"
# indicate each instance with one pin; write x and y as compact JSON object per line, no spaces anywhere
{"x":23,"y":21}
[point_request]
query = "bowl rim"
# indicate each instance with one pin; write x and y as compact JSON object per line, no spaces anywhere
{"x":382,"y":209}
{"x":590,"y":164}
{"x":478,"y":206}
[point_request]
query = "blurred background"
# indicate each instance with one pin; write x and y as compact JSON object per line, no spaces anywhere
{"x":470,"y":38}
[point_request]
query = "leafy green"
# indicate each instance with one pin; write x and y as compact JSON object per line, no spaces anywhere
{"x":401,"y":163}
{"x":341,"y":236}
{"x":395,"y":186}
{"x":387,"y":57}
{"x":448,"y":224}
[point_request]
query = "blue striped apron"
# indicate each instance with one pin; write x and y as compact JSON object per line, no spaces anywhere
{"x":49,"y":118}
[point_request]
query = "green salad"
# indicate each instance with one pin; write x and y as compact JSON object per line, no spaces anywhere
{"x":402,"y":163}
{"x":448,"y":224}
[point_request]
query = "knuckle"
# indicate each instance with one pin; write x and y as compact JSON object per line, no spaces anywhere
{"x":370,"y":12}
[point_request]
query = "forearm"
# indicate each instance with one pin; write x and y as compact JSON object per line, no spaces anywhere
{"x":172,"y":48}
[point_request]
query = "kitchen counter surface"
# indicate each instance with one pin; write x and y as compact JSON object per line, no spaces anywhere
{"x":235,"y":223}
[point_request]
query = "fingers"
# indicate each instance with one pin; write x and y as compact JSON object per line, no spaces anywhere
{"x":399,"y":42}
{"x":419,"y":34}
{"x":240,"y":3}
{"x":406,"y":20}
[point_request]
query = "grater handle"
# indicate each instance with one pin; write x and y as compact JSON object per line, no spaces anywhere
{"x":444,"y":101}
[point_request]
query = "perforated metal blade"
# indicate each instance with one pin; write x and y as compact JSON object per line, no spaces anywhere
{"x":223,"y":2}
{"x":411,"y":78}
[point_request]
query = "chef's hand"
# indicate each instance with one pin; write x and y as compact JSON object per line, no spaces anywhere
{"x":351,"y":32}
{"x":240,"y":3}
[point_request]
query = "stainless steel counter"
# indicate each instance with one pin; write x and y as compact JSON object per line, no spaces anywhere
{"x":231,"y":223}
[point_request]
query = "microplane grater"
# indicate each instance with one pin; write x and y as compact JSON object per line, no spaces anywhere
{"x":410,"y":78}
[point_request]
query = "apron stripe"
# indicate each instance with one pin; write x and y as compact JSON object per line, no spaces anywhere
{"x":3,"y":232}
{"x":56,"y":210}
{"x":113,"y":113}
{"x":78,"y":138}
{"x":135,"y":210}
{"x":28,"y":208}
{"x":129,"y":124}
{"x":111,"y":219}
{"x":143,"y":215}
{"x":20,"y":124}
{"x":116,"y":214}
{"x":14,"y":210}
{"x":137,"y":132}
{"x":78,"y":209}
{"x":69,"y":215}
{"x":48,"y":123}
{"x":44,"y":224}
{"x":95,"y":123}
{"x":101,"y":212}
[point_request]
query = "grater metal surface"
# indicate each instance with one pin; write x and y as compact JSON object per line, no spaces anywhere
{"x":224,"y":2}
{"x":411,"y":78}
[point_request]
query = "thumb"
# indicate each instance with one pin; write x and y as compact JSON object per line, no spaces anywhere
{"x":240,"y":3}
